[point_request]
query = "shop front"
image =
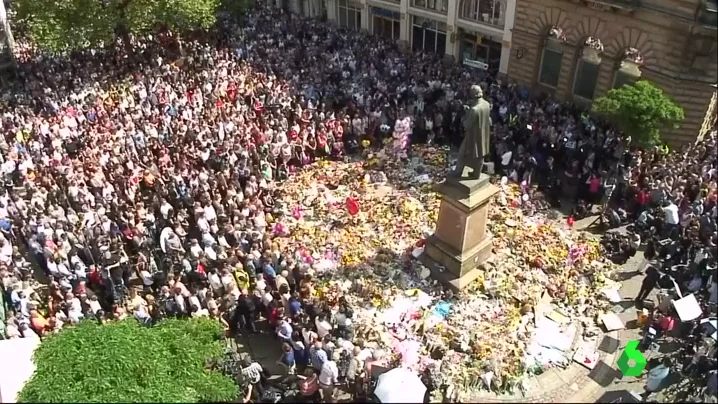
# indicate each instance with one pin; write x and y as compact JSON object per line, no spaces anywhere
{"x":386,"y":23}
{"x":479,"y":51}
{"x":428,"y":35}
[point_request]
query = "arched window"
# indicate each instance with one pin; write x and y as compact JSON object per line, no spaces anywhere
{"x":551,"y":58}
{"x":584,"y":85}
{"x":490,"y":12}
{"x":629,"y":68}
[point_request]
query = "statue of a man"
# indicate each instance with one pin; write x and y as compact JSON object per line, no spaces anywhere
{"x":477,"y":133}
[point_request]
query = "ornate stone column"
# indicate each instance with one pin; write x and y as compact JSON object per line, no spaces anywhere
{"x":452,"y":44}
{"x":506,"y":46}
{"x":405,"y":23}
{"x":332,"y":10}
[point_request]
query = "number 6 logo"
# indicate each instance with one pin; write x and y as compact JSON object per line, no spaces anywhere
{"x":632,"y":362}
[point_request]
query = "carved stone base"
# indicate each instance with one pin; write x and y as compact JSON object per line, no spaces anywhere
{"x":460,"y":243}
{"x":457,"y":263}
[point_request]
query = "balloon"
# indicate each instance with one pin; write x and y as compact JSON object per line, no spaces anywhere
{"x":570,"y":221}
{"x":525,"y":197}
{"x":352,"y":206}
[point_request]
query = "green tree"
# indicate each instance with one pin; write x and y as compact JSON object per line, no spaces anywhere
{"x":236,"y":8}
{"x":640,"y":110}
{"x":125,"y":362}
{"x":66,"y":25}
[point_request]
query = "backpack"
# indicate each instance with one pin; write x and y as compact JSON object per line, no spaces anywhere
{"x":309,"y":386}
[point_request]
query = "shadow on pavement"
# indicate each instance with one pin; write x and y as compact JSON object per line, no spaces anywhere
{"x":624,"y":276}
{"x":604,"y":374}
{"x":609,"y":345}
{"x":619,"y":396}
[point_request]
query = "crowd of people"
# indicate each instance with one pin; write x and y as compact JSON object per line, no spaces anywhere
{"x":148,"y":185}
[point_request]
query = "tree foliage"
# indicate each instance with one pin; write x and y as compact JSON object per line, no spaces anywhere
{"x":125,"y":362}
{"x":640,"y":110}
{"x":65,"y":25}
{"x":235,"y":8}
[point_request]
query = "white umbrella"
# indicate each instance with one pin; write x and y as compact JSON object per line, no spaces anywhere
{"x":400,"y":386}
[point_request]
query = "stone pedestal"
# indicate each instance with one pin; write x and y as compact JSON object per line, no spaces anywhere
{"x":460,"y":243}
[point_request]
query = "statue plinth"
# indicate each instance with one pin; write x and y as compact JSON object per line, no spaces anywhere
{"x":460,"y":243}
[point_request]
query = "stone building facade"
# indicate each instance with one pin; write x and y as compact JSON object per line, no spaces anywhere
{"x":579,"y":49}
{"x":476,"y":33}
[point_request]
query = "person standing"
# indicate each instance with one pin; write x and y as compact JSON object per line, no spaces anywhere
{"x":672,"y":219}
{"x":329,"y":378}
{"x":245,"y":311}
{"x":317,"y":356}
{"x":355,"y":373}
{"x":649,"y":283}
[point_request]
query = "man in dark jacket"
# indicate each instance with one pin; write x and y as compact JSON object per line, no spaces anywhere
{"x":245,"y":312}
{"x":649,"y":282}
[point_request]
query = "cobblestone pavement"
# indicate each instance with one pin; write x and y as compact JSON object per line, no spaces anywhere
{"x":574,"y":384}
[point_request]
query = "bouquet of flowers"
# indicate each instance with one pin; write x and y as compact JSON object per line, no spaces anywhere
{"x":402,"y":131}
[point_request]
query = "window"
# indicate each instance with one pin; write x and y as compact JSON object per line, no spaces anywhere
{"x":586,"y":78}
{"x":439,"y":6}
{"x":429,"y":36}
{"x":349,"y":16}
{"x":630,"y":69}
{"x":342,"y":17}
{"x":386,"y":23}
{"x":622,"y":78}
{"x":489,"y":12}
{"x":550,"y":67}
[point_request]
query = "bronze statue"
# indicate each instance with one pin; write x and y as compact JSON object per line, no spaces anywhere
{"x":477,"y":133}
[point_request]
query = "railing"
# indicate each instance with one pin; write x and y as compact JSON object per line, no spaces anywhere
{"x":437,"y":6}
{"x":489,"y":12}
{"x":605,"y":5}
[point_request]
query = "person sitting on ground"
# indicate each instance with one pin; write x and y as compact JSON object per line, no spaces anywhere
{"x":254,"y":373}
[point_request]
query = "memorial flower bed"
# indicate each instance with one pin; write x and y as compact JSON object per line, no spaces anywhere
{"x":360,"y":226}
